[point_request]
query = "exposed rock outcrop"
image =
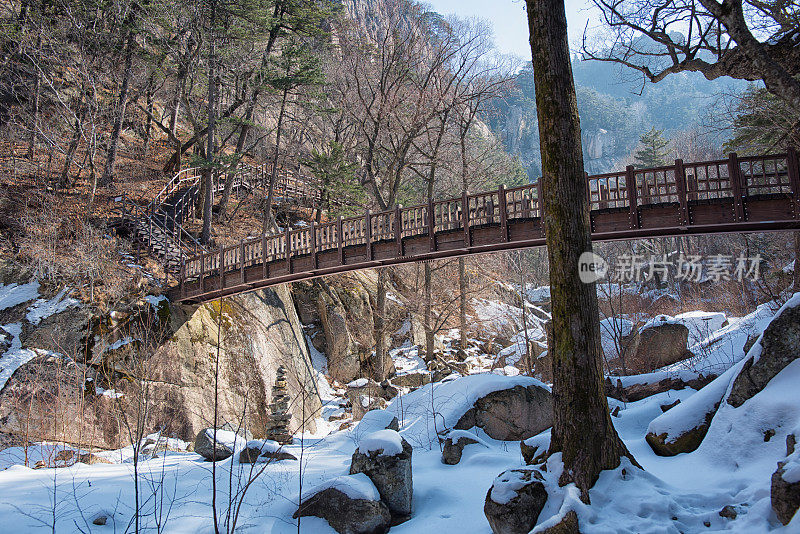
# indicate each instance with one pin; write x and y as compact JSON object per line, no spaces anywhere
{"x":260,"y":331}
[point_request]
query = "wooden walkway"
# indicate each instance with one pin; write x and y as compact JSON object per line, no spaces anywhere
{"x":738,"y":194}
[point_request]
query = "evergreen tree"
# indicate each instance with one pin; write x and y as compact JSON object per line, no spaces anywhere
{"x":653,"y":151}
{"x":337,"y":180}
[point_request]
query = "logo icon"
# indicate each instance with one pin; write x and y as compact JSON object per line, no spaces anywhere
{"x":591,"y":267}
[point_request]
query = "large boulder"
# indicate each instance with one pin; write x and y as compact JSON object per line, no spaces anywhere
{"x":511,"y":414}
{"x":656,"y":344}
{"x":385,"y":457}
{"x":350,"y":505}
{"x":514,"y":501}
{"x":778,"y":349}
{"x":226,"y":443}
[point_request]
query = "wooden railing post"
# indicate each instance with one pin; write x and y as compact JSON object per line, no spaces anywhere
{"x":182,"y":291}
{"x":241,"y":260}
{"x":630,"y":186}
{"x":398,"y":228}
{"x":736,"y":185}
{"x":431,"y":225}
{"x":264,"y":255}
{"x":465,"y":217}
{"x":202,"y":272}
{"x":221,"y":267}
{"x":368,"y":233}
{"x":540,"y":198}
{"x":793,"y":169}
{"x":340,"y":239}
{"x":501,"y":197}
{"x":288,"y":250}
{"x":314,"y":244}
{"x":680,"y":188}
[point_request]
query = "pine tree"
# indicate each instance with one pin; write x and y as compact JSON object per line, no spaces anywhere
{"x":337,"y":180}
{"x":653,"y":151}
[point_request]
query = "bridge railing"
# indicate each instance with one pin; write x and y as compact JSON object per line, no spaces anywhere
{"x":732,"y":178}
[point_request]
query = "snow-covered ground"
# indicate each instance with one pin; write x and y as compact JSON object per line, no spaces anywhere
{"x":678,"y":494}
{"x":683,"y":493}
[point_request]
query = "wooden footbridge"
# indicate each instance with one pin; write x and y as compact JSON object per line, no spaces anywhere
{"x":737,"y":194}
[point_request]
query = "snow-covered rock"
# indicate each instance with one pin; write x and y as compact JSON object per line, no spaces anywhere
{"x":777,"y":347}
{"x":350,"y":504}
{"x":454,"y":444}
{"x":385,"y":457}
{"x":261,"y":451}
{"x":226,"y":444}
{"x":785,"y":488}
{"x":515,"y":500}
{"x":683,"y":428}
{"x":451,"y":400}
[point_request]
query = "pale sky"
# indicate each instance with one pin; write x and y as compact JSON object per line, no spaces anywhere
{"x":510,"y":21}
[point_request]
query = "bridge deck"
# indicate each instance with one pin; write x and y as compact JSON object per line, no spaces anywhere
{"x":757,"y":193}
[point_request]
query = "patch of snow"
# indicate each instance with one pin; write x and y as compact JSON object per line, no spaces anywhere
{"x":118,"y":344}
{"x":43,"y":308}
{"x":228,"y":438}
{"x":358,"y":487}
{"x":508,"y":483}
{"x":375,"y":420}
{"x":358,"y":383}
{"x":15,"y":356}
{"x":386,"y":440}
{"x":14,"y":294}
{"x":791,"y":469}
{"x":406,"y":359}
{"x":458,"y":435}
{"x":701,"y":324}
{"x":612,"y":329}
{"x":155,"y":300}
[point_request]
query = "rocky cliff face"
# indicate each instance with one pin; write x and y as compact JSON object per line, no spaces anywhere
{"x":91,"y":393}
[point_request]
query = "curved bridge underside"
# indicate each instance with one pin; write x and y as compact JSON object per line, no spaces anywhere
{"x":752,"y":194}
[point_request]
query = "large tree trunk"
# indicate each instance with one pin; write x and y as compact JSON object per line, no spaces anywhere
{"x":582,"y":427}
{"x":111,"y":155}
